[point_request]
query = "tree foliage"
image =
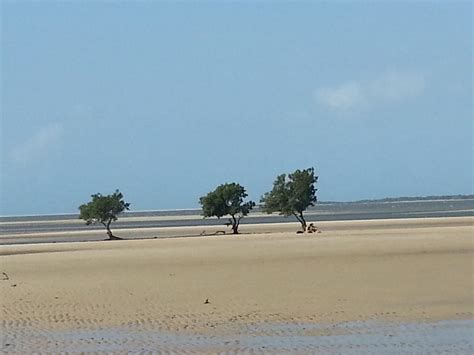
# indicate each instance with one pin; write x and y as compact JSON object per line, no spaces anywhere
{"x":292,"y":194}
{"x":227,"y":199}
{"x":104,"y":210}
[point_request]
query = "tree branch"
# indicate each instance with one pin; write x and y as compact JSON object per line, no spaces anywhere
{"x":301,"y":219}
{"x":297,"y":217}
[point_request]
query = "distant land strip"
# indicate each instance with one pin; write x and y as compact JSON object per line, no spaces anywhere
{"x":320,"y":206}
{"x":338,"y":211}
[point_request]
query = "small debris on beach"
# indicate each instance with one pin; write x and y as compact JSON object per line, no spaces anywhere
{"x":207,"y":301}
{"x":5,"y":276}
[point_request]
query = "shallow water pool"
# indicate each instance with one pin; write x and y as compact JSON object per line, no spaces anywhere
{"x":361,"y":337}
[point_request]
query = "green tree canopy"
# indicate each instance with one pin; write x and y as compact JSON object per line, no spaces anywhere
{"x":292,"y":194}
{"x":104,"y":210}
{"x":227,"y":199}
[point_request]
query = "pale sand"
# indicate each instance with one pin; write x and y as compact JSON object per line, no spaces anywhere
{"x":395,"y":270}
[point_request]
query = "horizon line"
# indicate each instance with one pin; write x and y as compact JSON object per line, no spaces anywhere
{"x":381,"y":200}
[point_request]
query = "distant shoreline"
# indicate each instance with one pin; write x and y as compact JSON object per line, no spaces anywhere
{"x":197,"y":211}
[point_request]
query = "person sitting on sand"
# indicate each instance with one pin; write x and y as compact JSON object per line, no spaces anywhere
{"x":313,"y":229}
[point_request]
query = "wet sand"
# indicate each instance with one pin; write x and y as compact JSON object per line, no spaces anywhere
{"x":273,"y":291}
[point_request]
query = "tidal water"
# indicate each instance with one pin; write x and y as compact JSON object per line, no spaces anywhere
{"x":12,"y":227}
{"x":361,"y":337}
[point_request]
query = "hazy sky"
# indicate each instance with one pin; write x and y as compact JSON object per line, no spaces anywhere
{"x":167,"y":100}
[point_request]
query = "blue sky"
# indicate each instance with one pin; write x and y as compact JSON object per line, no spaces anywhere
{"x":167,"y":100}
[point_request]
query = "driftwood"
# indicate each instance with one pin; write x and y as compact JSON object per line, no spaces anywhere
{"x":203,"y":233}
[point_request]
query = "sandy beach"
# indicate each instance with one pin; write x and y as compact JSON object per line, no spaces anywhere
{"x":95,"y":296}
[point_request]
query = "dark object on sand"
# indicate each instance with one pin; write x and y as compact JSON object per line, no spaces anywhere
{"x":207,"y":301}
{"x":313,"y":229}
{"x":5,"y":276}
{"x":310,"y":229}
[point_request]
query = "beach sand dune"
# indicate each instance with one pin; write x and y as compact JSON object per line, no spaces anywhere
{"x":146,"y":294}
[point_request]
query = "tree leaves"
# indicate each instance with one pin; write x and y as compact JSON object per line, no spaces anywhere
{"x":227,"y":199}
{"x":292,"y":194}
{"x":103,"y":209}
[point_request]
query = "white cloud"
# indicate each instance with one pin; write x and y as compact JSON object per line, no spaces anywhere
{"x":387,"y":88}
{"x":342,"y":97}
{"x":396,"y":86}
{"x":37,"y":145}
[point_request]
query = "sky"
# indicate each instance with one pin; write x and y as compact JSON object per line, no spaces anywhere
{"x":167,"y":100}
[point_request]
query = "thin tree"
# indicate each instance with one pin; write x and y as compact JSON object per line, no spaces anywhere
{"x":104,"y":210}
{"x":227,"y":199}
{"x":292,"y":194}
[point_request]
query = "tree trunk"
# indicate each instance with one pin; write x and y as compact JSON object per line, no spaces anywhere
{"x":235,"y":225}
{"x":301,"y":219}
{"x":303,"y":222}
{"x":109,"y":233}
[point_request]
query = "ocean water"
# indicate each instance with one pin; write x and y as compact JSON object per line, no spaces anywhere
{"x":13,"y":227}
{"x":361,"y":337}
